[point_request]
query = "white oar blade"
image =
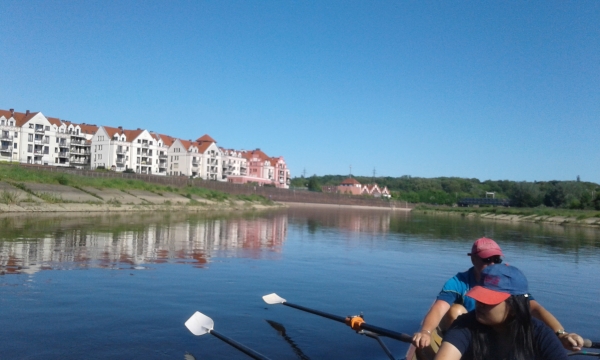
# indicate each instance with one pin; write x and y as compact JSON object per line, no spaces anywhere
{"x":199,"y":324}
{"x":273,"y":299}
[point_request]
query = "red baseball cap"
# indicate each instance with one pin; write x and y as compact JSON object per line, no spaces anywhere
{"x":484,"y":248}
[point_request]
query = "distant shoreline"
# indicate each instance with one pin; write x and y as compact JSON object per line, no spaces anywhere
{"x":548,"y":219}
{"x":318,"y":205}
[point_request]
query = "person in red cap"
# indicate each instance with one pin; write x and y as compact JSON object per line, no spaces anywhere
{"x":452,"y":301}
{"x":501,"y":326}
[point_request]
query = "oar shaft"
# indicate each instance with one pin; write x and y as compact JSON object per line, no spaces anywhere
{"x":376,"y":329}
{"x":587,"y":343}
{"x":253,"y":354}
{"x":389,"y":333}
{"x":316,"y":312}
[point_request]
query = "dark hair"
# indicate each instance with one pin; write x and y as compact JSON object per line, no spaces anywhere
{"x":520,"y":333}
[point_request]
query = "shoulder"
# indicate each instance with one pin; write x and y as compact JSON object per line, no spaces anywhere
{"x":461,"y":278}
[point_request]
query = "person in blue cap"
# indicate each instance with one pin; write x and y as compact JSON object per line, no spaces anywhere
{"x":501,"y":326}
{"x":453,"y":302}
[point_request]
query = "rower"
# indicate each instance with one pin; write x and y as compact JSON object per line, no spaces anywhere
{"x":452,"y":301}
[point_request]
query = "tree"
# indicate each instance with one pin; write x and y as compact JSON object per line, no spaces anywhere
{"x":313,"y":184}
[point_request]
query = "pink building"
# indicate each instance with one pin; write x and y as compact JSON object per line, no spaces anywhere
{"x":263,"y":170}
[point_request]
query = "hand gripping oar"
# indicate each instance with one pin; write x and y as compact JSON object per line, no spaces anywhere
{"x":200,"y":324}
{"x":355,"y":322}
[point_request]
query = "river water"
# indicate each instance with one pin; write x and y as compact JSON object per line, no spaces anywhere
{"x":122,"y":286}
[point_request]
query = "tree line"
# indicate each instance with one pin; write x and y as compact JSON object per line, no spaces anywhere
{"x":449,"y":190}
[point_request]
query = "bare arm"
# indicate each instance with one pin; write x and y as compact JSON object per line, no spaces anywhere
{"x":422,"y":338}
{"x":570,"y":341}
{"x":448,"y":352}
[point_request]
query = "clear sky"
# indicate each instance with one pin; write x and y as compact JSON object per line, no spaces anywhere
{"x":480,"y":89}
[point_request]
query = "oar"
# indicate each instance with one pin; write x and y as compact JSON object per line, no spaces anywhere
{"x":200,"y":324}
{"x":276,"y":299}
{"x":587,"y":343}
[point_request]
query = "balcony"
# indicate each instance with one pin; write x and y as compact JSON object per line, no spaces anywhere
{"x":120,"y":162}
{"x":62,"y":135}
{"x":38,"y":152}
{"x":145,"y":145}
{"x":6,"y":137}
{"x":78,"y":151}
{"x":79,"y":161}
{"x":162,"y":166}
{"x":40,"y":130}
{"x":121,"y":151}
{"x":63,"y":154}
{"x":163,"y":156}
{"x":77,"y":142}
{"x":6,"y":148}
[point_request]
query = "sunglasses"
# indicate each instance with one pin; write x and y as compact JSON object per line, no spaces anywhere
{"x":492,"y":259}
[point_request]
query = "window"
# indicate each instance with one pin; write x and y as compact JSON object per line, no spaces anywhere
{"x":56,"y":160}
{"x":139,"y":141}
{"x":47,"y":128}
{"x":46,"y":150}
{"x":57,"y":140}
{"x":29,"y":148}
{"x":99,"y":147}
{"x":99,"y":156}
{"x":15,"y":145}
{"x":55,"y":150}
{"x":2,"y":122}
{"x":30,"y":137}
{"x":16,"y":134}
{"x":138,"y":151}
{"x":150,"y":143}
{"x":11,"y":123}
{"x":31,"y":126}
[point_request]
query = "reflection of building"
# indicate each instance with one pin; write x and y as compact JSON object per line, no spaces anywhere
{"x":189,"y":242}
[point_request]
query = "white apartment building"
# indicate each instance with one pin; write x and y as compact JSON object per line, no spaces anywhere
{"x":33,"y":138}
{"x":184,"y":158}
{"x":9,"y":136}
{"x":117,"y":149}
{"x":80,"y":143}
{"x":211,"y":159}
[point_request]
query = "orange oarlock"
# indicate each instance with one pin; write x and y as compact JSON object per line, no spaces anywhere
{"x":355,"y":322}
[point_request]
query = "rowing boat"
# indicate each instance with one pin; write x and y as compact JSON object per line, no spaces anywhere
{"x":429,"y":352}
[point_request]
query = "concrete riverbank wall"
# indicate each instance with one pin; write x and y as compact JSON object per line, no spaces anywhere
{"x":274,"y":194}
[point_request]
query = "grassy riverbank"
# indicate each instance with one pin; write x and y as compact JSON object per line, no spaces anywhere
{"x":552,"y":215}
{"x":19,"y":177}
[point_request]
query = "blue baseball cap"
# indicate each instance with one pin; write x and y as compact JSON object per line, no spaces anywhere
{"x":498,"y":283}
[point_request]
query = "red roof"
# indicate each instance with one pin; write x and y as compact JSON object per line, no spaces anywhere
{"x":205,"y":138}
{"x":350,"y":181}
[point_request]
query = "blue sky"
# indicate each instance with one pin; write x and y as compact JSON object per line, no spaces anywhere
{"x":489,"y":90}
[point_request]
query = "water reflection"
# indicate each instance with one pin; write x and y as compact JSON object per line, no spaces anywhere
{"x":33,"y":243}
{"x":447,"y":228}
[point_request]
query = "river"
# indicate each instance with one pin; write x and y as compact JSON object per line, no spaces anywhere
{"x":121,"y":286}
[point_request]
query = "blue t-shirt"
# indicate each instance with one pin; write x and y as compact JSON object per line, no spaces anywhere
{"x":455,"y":289}
{"x":547,"y":346}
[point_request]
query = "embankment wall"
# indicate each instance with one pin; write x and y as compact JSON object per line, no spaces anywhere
{"x":275,"y":194}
